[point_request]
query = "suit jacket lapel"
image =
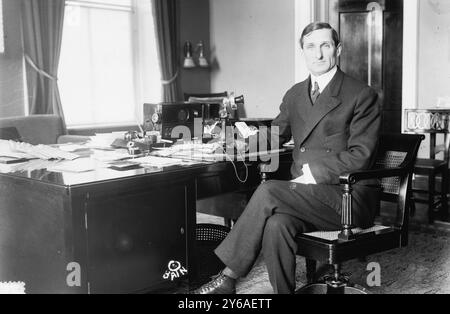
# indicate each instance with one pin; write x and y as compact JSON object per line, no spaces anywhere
{"x":326,"y":102}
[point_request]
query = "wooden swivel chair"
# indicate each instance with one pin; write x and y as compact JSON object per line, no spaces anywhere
{"x":394,"y":167}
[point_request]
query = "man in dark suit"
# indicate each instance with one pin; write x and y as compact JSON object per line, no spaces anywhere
{"x":335,"y":122}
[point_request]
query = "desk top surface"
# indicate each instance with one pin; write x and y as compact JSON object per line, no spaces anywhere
{"x":51,"y":172}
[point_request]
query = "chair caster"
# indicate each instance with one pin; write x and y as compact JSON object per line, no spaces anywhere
{"x":336,"y":282}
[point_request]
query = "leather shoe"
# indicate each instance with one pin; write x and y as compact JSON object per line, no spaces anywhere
{"x":219,"y":284}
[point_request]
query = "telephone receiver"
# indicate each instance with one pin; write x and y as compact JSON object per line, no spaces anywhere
{"x":239,"y":100}
{"x":234,"y":102}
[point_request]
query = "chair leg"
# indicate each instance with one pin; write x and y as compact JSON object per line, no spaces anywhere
{"x":431,"y":192}
{"x":311,"y":270}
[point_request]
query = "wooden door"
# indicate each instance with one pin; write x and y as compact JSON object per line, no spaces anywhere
{"x":371,"y":33}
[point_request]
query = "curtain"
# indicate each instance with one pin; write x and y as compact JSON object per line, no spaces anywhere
{"x":42,"y":28}
{"x":166,"y":27}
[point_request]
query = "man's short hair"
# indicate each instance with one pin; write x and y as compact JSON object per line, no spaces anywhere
{"x":316,"y":26}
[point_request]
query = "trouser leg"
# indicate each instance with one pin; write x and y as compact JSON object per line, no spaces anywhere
{"x":242,"y":246}
{"x":279,"y":248}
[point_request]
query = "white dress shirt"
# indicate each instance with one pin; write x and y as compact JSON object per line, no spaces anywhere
{"x":324,"y":79}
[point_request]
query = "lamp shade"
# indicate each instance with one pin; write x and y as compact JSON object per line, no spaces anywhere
{"x":188,"y":60}
{"x":202,"y":62}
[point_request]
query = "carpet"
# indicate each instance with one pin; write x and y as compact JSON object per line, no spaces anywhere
{"x":423,"y":267}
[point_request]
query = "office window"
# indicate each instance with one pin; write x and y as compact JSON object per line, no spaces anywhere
{"x":108,"y":66}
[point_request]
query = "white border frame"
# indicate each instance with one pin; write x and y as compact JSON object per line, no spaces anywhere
{"x":2,"y":34}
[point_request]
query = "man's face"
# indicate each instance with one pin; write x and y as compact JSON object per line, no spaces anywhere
{"x":320,"y":52}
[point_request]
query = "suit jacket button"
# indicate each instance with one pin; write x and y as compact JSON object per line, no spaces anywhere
{"x":302,"y":149}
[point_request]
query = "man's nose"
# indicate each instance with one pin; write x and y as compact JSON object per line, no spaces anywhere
{"x":319,"y":54}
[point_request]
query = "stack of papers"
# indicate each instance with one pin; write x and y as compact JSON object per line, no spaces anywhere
{"x":25,"y":150}
{"x":158,"y":161}
{"x":104,"y":140}
{"x":35,"y":164}
{"x":113,"y":155}
{"x":12,"y":287}
{"x":71,"y":147}
{"x":189,"y":149}
{"x":80,"y":165}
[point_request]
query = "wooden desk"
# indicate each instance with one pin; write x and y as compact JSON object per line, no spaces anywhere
{"x":121,"y":227}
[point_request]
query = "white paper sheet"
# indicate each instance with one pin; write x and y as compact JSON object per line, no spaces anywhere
{"x":79,"y":165}
{"x":158,"y":161}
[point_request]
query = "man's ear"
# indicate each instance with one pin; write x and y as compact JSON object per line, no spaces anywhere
{"x":339,"y":49}
{"x":300,"y":46}
{"x":302,"y":52}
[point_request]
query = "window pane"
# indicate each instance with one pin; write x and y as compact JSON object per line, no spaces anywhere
{"x":149,"y":64}
{"x":109,"y":65}
{"x":96,"y":68}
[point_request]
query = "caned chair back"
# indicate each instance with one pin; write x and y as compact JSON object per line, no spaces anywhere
{"x":397,"y":151}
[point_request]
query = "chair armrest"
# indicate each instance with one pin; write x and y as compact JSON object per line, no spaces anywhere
{"x":346,"y":181}
{"x":353,"y":177}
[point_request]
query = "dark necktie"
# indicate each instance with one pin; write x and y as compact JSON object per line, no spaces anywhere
{"x":315,"y":92}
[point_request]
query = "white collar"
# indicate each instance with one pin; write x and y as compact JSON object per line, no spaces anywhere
{"x":324,"y":79}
